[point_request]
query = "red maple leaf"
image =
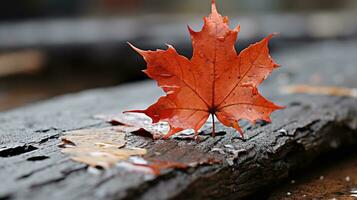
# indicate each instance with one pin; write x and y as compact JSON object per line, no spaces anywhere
{"x":216,"y":81}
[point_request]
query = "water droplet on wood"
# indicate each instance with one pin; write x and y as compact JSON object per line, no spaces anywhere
{"x":219,"y":150}
{"x":348,"y":179}
{"x":229,"y":146}
{"x":283,"y":132}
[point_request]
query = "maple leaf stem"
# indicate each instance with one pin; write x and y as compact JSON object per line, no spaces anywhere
{"x":213,"y":126}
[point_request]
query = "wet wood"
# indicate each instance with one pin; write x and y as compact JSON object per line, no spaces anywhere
{"x":32,"y":166}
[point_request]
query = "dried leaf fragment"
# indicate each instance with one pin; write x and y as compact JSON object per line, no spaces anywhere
{"x":99,"y":147}
{"x":96,"y":137}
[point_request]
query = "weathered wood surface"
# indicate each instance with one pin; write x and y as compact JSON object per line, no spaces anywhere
{"x":32,"y":166}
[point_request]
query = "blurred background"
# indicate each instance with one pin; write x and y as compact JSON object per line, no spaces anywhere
{"x":53,"y":47}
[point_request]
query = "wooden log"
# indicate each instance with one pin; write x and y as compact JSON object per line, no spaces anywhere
{"x":32,"y":166}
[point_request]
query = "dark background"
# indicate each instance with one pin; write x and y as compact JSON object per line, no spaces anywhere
{"x":53,"y":47}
